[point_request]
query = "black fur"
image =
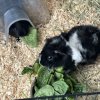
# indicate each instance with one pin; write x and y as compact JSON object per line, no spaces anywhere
{"x":58,"y":52}
{"x":50,"y":49}
{"x":85,"y":34}
{"x":19,"y":29}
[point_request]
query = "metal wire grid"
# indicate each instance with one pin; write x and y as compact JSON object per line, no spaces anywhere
{"x":75,"y":96}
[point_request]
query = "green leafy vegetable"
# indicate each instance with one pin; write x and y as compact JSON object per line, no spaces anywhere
{"x":43,"y":77}
{"x":31,"y":38}
{"x":53,"y":82}
{"x":51,"y":79}
{"x":74,"y":81}
{"x":59,"y":69}
{"x":36,"y":88}
{"x":69,"y":82}
{"x":27,"y":70}
{"x":36,"y":67}
{"x":58,"y":75}
{"x":46,"y":90}
{"x":69,"y":98}
{"x":60,"y":86}
{"x":80,"y":88}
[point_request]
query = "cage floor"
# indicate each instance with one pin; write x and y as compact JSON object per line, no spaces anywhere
{"x":14,"y":56}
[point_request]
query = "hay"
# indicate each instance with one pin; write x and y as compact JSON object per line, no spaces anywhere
{"x":14,"y":56}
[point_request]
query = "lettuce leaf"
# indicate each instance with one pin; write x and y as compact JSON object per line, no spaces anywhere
{"x":60,"y":86}
{"x":43,"y":77}
{"x":46,"y":90}
{"x":31,"y":38}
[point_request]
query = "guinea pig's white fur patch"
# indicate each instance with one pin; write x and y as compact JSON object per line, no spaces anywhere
{"x":76,"y":47}
{"x":75,"y":42}
{"x":76,"y":56}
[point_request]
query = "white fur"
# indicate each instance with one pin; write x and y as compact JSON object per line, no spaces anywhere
{"x":76,"y":47}
{"x":76,"y":56}
{"x":75,"y":42}
{"x":54,"y":41}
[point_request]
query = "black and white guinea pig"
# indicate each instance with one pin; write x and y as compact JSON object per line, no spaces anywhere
{"x":79,"y":45}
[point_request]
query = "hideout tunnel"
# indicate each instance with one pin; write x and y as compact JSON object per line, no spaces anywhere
{"x":21,"y":14}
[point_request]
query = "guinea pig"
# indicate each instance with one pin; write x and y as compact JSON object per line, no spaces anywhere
{"x":80,"y":45}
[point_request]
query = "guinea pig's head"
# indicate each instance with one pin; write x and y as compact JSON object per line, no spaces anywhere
{"x":54,"y":52}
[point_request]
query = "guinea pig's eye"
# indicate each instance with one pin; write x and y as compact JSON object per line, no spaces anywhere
{"x":50,"y":58}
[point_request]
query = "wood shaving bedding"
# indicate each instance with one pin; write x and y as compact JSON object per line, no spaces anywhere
{"x":14,"y":56}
